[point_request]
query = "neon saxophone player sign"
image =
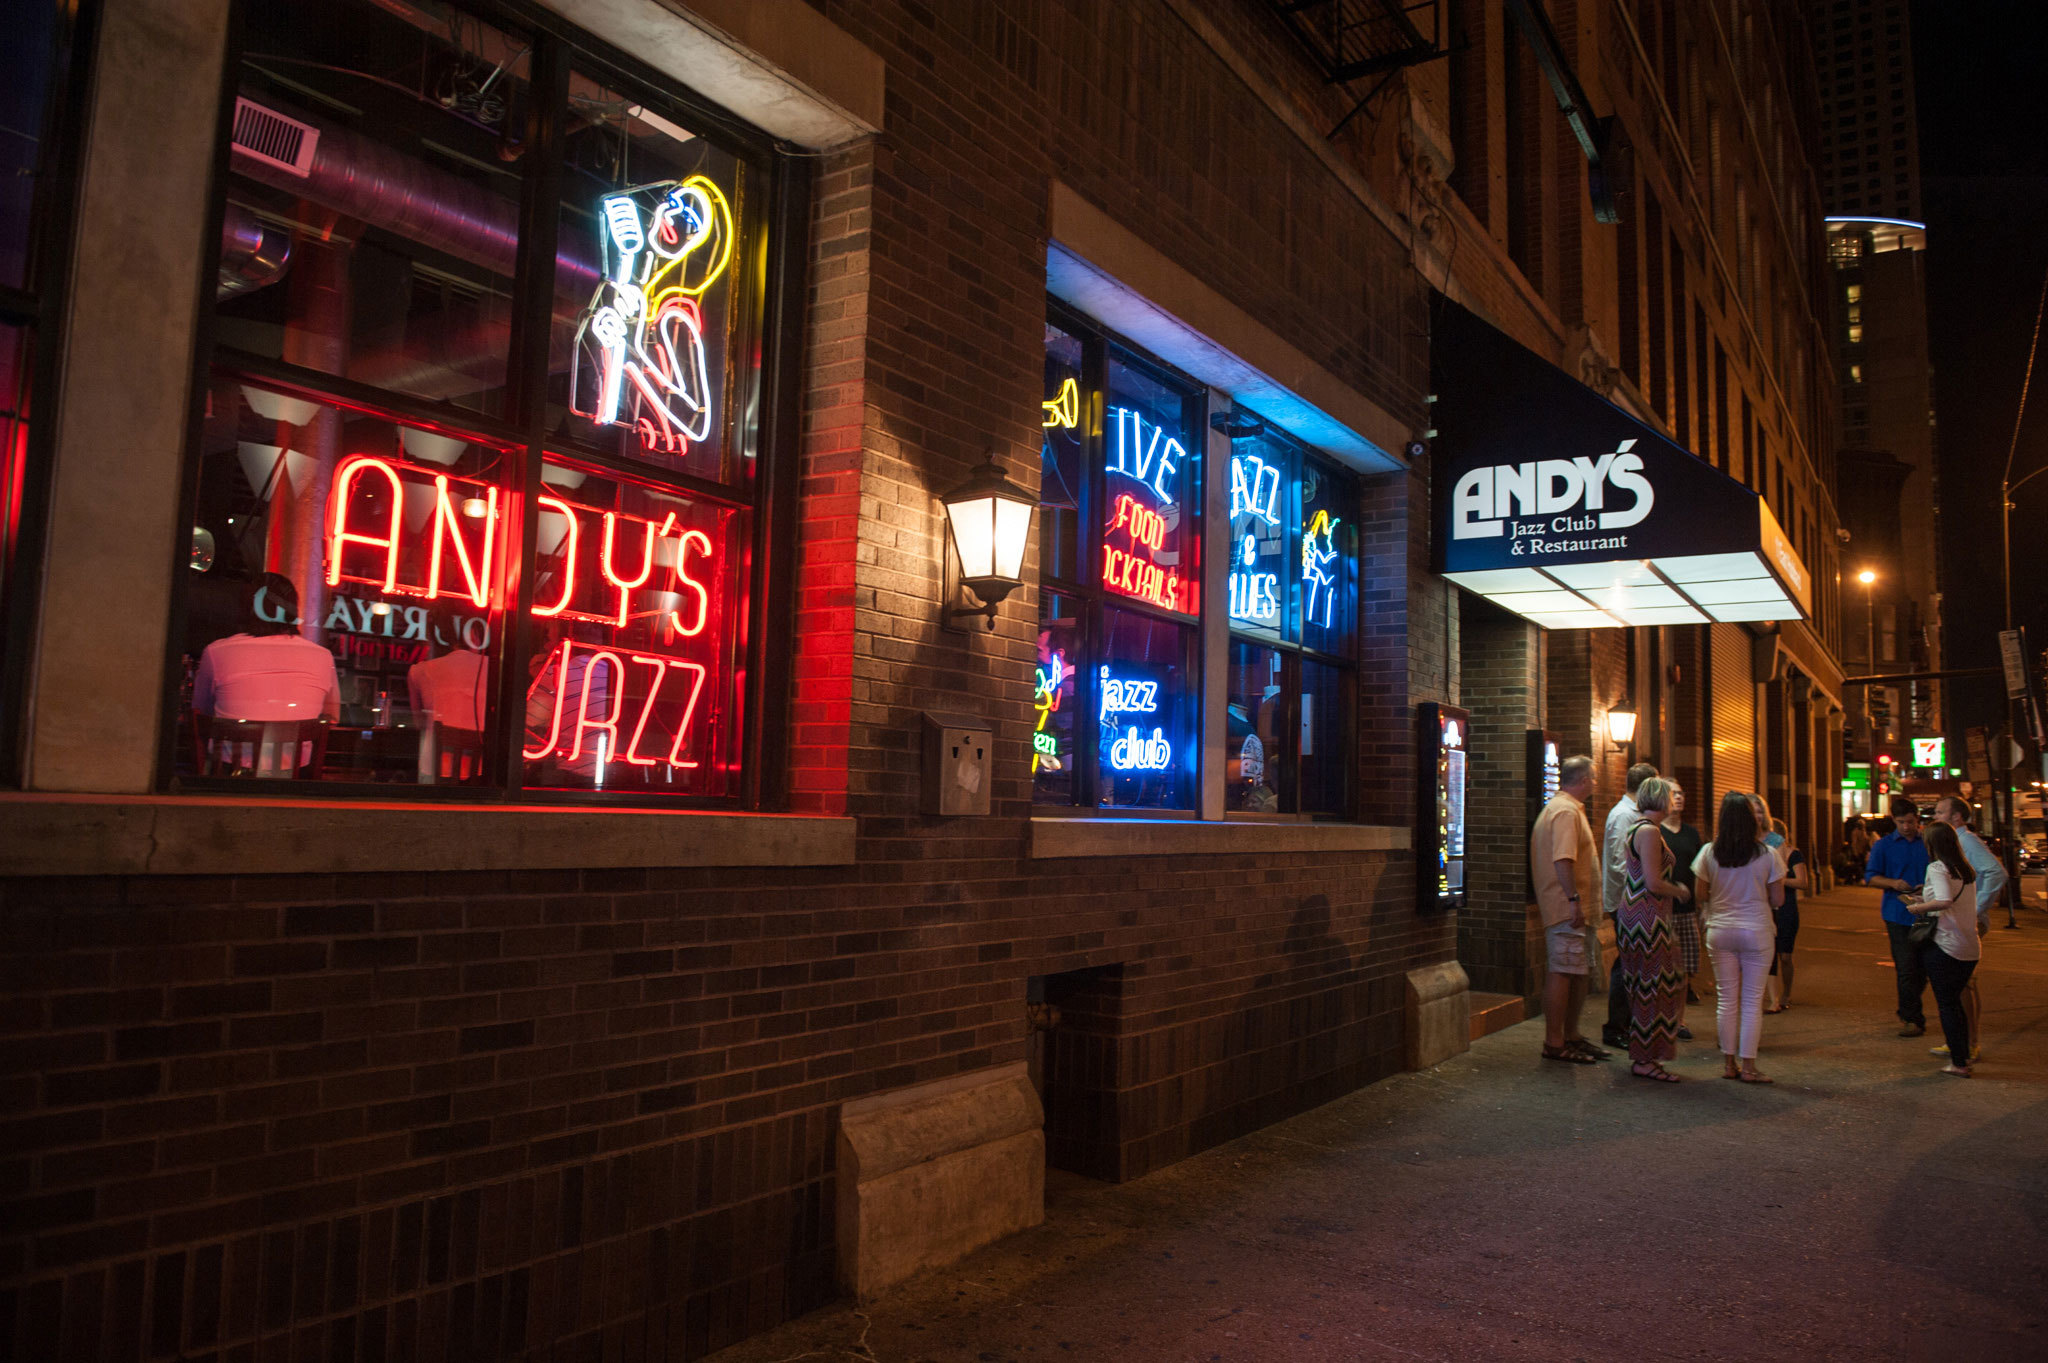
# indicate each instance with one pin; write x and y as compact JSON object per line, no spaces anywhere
{"x":642,"y":357}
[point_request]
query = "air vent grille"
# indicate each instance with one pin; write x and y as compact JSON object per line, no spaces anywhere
{"x":273,"y":139}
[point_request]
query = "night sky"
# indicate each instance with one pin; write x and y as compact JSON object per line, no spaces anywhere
{"x":1983,"y":99}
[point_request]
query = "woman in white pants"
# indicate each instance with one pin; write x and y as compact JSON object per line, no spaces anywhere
{"x":1739,"y":884}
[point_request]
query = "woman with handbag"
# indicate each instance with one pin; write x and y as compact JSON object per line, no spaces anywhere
{"x":1946,"y":937}
{"x":1739,"y":881}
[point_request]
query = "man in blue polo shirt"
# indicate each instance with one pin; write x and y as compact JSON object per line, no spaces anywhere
{"x":1898,"y":862}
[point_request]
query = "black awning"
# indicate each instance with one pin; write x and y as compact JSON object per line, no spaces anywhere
{"x":1560,"y":506}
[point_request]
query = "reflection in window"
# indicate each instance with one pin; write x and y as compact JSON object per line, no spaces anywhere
{"x":1293,"y":617}
{"x":343,"y":619}
{"x":1255,"y":715}
{"x":372,"y":223}
{"x":1054,"y":701}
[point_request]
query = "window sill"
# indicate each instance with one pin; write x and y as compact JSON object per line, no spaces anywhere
{"x":72,"y":835}
{"x":1185,"y":837}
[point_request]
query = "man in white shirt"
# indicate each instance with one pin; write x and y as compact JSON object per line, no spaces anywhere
{"x":1954,"y":811}
{"x":1613,"y":886}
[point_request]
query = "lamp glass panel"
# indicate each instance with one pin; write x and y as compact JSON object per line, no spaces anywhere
{"x":1012,"y":533}
{"x":1600,"y":576}
{"x":1710,"y":567}
{"x":1781,"y":609}
{"x":1530,"y":603}
{"x":1735,"y":589}
{"x":1662,"y":615}
{"x":1575,"y":620}
{"x":1488,"y":581}
{"x":974,"y":535}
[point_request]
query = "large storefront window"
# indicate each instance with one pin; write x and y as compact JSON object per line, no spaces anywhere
{"x":1120,"y":562}
{"x":476,"y":509}
{"x":1293,"y":608}
{"x":41,"y":74}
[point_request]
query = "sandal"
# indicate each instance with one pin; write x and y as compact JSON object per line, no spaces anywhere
{"x":1654,"y":1071}
{"x":1959,"y":1071}
{"x":1779,"y":1009}
{"x":1752,"y":1077}
{"x":1566,"y":1054}
{"x":1585,"y":1047}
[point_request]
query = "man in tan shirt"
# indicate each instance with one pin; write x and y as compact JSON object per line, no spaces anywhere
{"x":1564,"y":863}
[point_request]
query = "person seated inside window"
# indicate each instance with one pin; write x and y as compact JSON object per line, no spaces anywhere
{"x":271,"y":673}
{"x":449,"y":694}
{"x":449,"y":689}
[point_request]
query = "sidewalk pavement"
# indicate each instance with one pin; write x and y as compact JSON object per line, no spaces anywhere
{"x":1500,"y":1207}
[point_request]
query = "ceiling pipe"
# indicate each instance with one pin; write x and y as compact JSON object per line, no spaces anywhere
{"x":359,"y":177}
{"x":253,"y":253}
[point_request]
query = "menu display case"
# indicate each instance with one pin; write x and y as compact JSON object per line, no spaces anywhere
{"x":1443,"y":733}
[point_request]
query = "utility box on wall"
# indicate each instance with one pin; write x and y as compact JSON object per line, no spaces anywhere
{"x":958,"y":752}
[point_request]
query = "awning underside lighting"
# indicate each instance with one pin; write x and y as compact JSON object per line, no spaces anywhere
{"x":1689,"y":590}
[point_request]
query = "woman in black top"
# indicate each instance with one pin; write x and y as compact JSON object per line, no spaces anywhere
{"x":1787,"y":914}
{"x":1684,"y":841}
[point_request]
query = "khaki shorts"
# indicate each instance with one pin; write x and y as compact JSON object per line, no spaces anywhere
{"x":1570,"y":949}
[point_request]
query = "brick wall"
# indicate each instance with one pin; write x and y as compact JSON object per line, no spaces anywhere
{"x":1500,"y":942}
{"x":592,"y":1113}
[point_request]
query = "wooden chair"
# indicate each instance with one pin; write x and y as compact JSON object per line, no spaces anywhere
{"x":454,"y":755}
{"x":277,"y":750}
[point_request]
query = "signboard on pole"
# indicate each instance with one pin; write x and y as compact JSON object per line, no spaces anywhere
{"x":1977,"y":754}
{"x":2012,"y":651}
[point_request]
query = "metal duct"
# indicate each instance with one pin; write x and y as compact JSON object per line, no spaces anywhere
{"x":361,"y":178}
{"x":252,"y":253}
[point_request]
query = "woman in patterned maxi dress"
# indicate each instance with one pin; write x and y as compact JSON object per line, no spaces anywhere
{"x":1647,"y":941}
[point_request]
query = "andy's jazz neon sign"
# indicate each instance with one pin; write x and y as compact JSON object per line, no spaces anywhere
{"x":365,"y":546}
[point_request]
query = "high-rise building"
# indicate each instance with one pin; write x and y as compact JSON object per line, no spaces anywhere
{"x":1886,"y":478}
{"x":1870,"y":146}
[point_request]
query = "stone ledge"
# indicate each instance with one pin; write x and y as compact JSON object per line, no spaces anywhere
{"x":76,"y":835}
{"x":1193,"y":837}
{"x":930,"y":1173}
{"x":1439,"y":1014}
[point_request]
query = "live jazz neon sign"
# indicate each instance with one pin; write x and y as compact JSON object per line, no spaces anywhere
{"x":1148,"y":456}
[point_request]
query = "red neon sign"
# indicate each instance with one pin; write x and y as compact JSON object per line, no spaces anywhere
{"x":613,"y":703}
{"x":611,"y":573}
{"x":340,"y":537}
{"x":568,"y":556}
{"x":1134,"y":576}
{"x":474,"y":575}
{"x":1144,"y":525}
{"x":683,"y":578}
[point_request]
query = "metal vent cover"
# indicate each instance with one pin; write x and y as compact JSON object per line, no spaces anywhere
{"x":273,"y":139}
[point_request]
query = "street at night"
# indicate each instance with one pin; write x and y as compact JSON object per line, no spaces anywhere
{"x":978,"y":681}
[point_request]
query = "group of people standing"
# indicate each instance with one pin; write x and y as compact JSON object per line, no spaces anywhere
{"x":1662,"y":884}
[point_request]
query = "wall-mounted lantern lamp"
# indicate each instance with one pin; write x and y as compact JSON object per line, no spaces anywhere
{"x":1621,"y":727}
{"x":989,"y":518}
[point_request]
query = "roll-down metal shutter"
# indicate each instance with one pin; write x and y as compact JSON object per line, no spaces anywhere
{"x":1733,"y":706}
